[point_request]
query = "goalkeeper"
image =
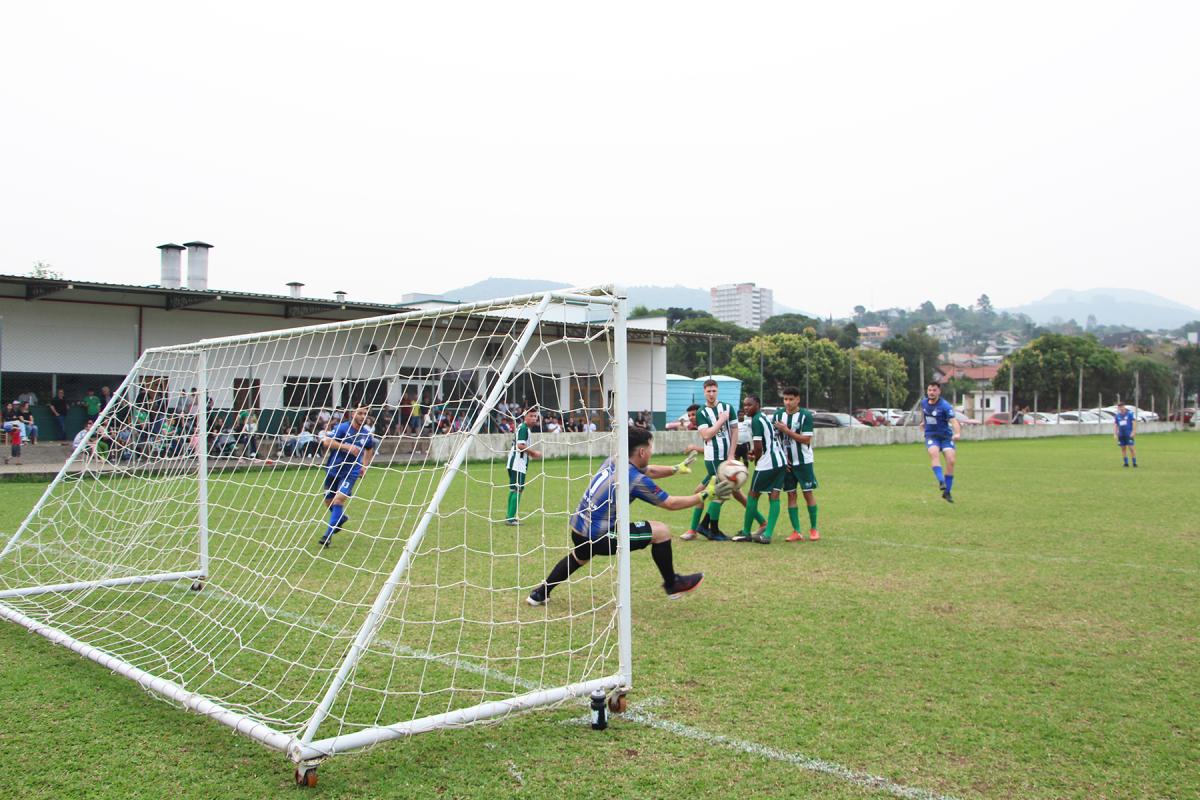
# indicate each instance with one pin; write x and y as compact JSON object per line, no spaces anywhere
{"x":594,"y":523}
{"x":351,"y":448}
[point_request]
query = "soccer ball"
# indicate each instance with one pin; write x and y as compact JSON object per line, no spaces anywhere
{"x":733,"y":472}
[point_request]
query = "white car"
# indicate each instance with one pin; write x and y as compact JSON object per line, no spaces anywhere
{"x":1076,"y":417}
{"x":1140,"y":414}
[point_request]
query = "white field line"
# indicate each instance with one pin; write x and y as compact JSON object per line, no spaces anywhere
{"x":1091,"y":562}
{"x":639,"y":715}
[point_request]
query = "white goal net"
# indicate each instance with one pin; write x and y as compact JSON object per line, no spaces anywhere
{"x":181,"y":545}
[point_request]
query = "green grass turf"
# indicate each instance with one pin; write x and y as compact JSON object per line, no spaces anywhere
{"x":1036,"y":639}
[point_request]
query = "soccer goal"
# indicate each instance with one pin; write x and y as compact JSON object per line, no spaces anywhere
{"x":180,"y":544}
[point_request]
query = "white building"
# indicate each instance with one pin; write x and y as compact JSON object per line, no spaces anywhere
{"x":742,"y":304}
{"x":77,"y":335}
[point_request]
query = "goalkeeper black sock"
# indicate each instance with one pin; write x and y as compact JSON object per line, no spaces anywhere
{"x":562,"y":570}
{"x":664,"y":559}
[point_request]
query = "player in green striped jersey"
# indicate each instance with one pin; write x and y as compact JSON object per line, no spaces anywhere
{"x":795,"y":428}
{"x":769,"y":468}
{"x":518,"y":463}
{"x":716,"y":424}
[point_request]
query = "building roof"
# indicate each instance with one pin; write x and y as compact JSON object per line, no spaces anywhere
{"x":25,"y":287}
{"x":986,"y":373}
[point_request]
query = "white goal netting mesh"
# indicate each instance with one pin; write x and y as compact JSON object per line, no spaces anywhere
{"x":278,"y":612}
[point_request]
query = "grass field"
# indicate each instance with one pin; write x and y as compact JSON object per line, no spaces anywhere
{"x":1039,"y":638}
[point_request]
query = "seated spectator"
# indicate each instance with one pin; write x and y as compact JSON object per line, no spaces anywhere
{"x":307,"y":443}
{"x":25,"y":414}
{"x":248,"y":435}
{"x":79,"y":437}
{"x":290,"y":442}
{"x":12,"y":420}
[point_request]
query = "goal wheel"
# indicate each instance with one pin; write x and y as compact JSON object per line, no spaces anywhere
{"x":197,"y":585}
{"x":306,"y":777}
{"x":618,"y":702}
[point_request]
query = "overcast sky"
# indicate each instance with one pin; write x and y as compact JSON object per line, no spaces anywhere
{"x":839,"y":153}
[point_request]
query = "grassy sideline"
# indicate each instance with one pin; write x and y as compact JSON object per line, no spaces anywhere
{"x":1036,"y":639}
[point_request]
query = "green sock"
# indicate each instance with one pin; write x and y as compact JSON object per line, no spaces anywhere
{"x":512,"y":504}
{"x":812,"y":515}
{"x":714,"y":511}
{"x":772,"y":517}
{"x":794,"y":516}
{"x":751,"y":514}
{"x":699,"y":512}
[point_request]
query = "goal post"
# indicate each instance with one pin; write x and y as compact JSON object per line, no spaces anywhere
{"x":181,"y":544}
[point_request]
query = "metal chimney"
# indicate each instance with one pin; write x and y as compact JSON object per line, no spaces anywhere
{"x":172,"y":270}
{"x":339,"y":296}
{"x":294,"y":288}
{"x":197,"y":264}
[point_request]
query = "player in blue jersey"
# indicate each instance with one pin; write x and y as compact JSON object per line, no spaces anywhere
{"x":941,"y":432}
{"x":351,"y":448}
{"x":594,"y":523}
{"x":1124,"y":424}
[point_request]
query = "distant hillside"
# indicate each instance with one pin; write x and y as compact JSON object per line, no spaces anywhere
{"x":1132,"y":307}
{"x":501,"y":287}
{"x":649,"y":296}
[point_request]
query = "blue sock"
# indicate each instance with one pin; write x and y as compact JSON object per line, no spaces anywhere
{"x":336,"y":513}
{"x":949,"y":482}
{"x":937,"y":473}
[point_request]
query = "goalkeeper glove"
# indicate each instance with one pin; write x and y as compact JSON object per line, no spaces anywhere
{"x":719,"y":490}
{"x":685,"y":466}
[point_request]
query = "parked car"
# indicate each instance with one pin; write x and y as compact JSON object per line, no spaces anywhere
{"x":1005,"y":418}
{"x":870,"y":416}
{"x":965,"y":419}
{"x":1041,"y":418}
{"x":1183,"y":415}
{"x":1076,"y":417}
{"x":1140,"y":414}
{"x":832,"y":419}
{"x":891,"y":416}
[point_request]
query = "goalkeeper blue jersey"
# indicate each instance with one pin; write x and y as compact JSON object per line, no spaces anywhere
{"x":597,"y":513}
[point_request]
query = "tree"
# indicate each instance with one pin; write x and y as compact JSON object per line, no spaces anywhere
{"x":43,"y":270}
{"x":787,"y":359}
{"x":689,"y":357}
{"x":1143,"y":378}
{"x":1188,"y":361}
{"x":879,"y":378}
{"x":787,"y":323}
{"x":914,"y":345}
{"x":859,"y":311}
{"x":1050,"y":366}
{"x":984,"y":304}
{"x":847,"y":338}
{"x":928,"y":308}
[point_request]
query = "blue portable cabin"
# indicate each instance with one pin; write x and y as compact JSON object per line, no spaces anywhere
{"x":682,"y":391}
